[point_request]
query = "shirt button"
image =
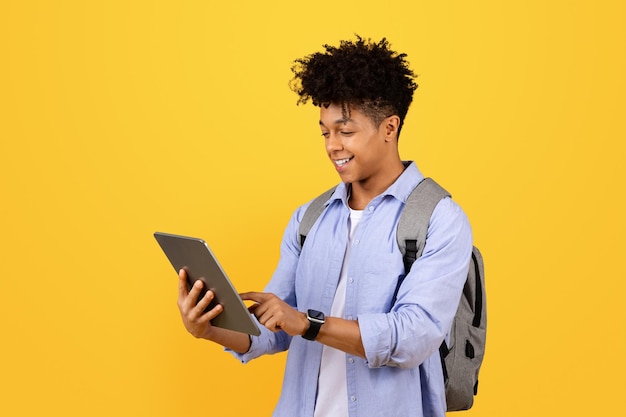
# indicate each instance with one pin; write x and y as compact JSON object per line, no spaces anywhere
{"x":351,"y":360}
{"x":351,"y":280}
{"x":353,"y":398}
{"x":371,"y":208}
{"x":356,"y":242}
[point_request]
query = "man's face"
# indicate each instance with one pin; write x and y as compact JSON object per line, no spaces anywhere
{"x":357,"y":148}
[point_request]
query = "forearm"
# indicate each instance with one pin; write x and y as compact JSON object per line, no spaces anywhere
{"x":236,"y":341}
{"x":342,"y":334}
{"x":276,"y":315}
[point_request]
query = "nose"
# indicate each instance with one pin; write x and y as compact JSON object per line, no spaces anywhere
{"x":333,"y":142}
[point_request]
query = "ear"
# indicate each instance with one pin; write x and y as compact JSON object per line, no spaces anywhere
{"x":391,"y":124}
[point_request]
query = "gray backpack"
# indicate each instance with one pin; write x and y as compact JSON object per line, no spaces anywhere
{"x":462,"y":358}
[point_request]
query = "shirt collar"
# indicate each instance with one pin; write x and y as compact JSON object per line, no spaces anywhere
{"x":406,"y":182}
{"x":400,"y":189}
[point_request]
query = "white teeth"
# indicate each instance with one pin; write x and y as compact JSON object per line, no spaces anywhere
{"x":341,"y":162}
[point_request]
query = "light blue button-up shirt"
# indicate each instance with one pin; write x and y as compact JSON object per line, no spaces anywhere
{"x":401,"y":374}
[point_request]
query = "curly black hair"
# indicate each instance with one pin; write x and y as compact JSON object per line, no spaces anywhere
{"x":361,"y":73}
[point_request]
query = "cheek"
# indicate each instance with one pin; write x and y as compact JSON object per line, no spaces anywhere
{"x":366,"y":146}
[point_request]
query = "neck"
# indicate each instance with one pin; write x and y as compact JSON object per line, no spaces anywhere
{"x":362,"y":192}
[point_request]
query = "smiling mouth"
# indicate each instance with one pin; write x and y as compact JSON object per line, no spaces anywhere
{"x":342,"y":162}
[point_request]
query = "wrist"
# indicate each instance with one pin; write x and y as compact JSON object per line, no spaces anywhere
{"x":305,"y":324}
{"x":316,"y":320}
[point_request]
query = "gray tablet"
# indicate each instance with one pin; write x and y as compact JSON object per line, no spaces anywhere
{"x":194,"y":255}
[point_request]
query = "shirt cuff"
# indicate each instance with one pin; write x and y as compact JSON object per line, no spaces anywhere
{"x":376,"y":336}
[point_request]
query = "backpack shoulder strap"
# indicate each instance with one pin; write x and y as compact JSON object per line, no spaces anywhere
{"x":312,"y":213}
{"x":413,"y":223}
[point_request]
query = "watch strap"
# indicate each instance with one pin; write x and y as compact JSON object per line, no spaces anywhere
{"x":314,"y":328}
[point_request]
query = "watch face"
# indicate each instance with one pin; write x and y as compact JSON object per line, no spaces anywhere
{"x":316,"y":315}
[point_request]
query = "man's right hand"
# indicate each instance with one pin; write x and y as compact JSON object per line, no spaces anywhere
{"x":196,"y":321}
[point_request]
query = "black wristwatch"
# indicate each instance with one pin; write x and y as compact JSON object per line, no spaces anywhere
{"x":316,"y":319}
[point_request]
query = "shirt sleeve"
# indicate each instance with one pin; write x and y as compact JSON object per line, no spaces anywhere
{"x":428,"y":297}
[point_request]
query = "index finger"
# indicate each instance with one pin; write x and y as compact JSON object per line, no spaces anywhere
{"x":259,"y":297}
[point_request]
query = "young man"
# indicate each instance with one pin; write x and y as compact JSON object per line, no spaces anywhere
{"x":368,"y":354}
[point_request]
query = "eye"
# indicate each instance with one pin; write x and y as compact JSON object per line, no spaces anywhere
{"x":326,"y":134}
{"x":347,"y":133}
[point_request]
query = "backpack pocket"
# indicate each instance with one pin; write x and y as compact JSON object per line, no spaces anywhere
{"x":461,"y":364}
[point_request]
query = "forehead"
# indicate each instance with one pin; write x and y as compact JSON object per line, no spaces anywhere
{"x":334,"y":114}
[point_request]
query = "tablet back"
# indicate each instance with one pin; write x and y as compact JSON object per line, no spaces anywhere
{"x":195,"y":256}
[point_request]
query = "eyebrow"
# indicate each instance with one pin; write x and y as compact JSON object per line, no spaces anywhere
{"x":343,"y":120}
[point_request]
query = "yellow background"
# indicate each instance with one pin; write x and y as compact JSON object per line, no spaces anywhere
{"x":120,"y":118}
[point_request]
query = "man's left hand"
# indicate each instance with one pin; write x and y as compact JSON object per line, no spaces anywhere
{"x":275,"y":314}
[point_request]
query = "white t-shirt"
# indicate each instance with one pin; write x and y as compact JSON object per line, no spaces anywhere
{"x":332,"y":391}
